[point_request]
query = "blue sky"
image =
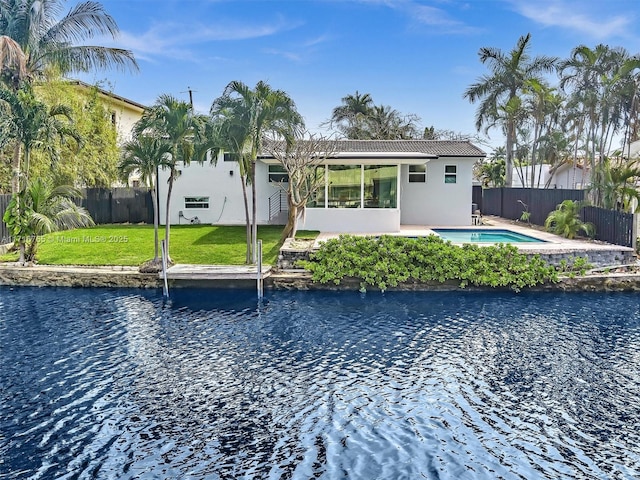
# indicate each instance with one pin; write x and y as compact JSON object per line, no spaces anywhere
{"x":416,"y":56}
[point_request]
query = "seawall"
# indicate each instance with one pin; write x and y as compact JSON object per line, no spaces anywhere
{"x":130,"y":277}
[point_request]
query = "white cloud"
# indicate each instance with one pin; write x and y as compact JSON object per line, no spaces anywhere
{"x":439,"y":19}
{"x":576,"y":16}
{"x":176,"y":40}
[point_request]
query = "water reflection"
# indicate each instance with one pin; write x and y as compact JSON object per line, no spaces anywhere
{"x":213,"y":384}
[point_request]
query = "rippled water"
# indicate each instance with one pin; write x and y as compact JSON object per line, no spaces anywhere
{"x":118,"y":384}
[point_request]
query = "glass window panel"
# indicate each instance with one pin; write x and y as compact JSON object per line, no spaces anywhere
{"x":278,"y":174}
{"x":380,"y":186}
{"x":417,"y":173}
{"x":345,"y":183}
{"x":450,"y":174}
{"x":196,"y":202}
{"x":317,"y":199}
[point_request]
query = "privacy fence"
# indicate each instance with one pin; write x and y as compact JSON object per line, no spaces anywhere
{"x":611,"y":226}
{"x":134,"y":205}
{"x":106,"y":205}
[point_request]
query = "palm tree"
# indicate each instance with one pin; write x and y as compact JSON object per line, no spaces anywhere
{"x":350,"y":117}
{"x":250,"y":114}
{"x":40,"y":209}
{"x":174,"y":122}
{"x":615,"y":184}
{"x":47,"y":40}
{"x":508,"y":77}
{"x":543,"y":105}
{"x":33,"y":125}
{"x":565,"y":220}
{"x":146,"y":154}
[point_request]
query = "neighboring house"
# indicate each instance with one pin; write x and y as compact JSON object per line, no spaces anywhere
{"x":370,"y":186}
{"x":567,"y":175}
{"x":124,"y":112}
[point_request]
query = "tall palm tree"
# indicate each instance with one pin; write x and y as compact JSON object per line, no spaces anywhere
{"x":602,"y":86}
{"x":508,"y":76}
{"x":40,"y":209}
{"x":175,"y":122}
{"x":47,"y":39}
{"x":146,"y":154}
{"x":253,"y":113}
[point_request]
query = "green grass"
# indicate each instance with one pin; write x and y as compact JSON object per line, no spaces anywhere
{"x":132,"y":245}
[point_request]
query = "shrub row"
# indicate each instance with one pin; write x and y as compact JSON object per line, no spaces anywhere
{"x":388,"y":260}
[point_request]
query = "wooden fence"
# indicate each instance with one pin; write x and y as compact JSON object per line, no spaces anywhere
{"x":105,"y":205}
{"x":119,"y":205}
{"x":611,"y":226}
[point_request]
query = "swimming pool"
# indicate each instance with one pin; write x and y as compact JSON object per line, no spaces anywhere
{"x":120,"y":384}
{"x":482,"y":235}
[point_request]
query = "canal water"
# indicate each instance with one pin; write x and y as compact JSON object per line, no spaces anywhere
{"x":120,"y":384}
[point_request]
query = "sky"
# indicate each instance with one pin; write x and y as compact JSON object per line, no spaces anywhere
{"x":416,"y":56}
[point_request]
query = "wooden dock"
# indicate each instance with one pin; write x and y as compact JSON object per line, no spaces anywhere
{"x":215,"y":272}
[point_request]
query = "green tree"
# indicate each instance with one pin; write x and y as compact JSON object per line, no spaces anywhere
{"x":492,"y":173}
{"x":93,"y":165}
{"x":34,"y":37}
{"x":251,"y":114}
{"x":40,"y":209}
{"x":498,"y":89}
{"x":616,"y":184}
{"x":175,"y":122}
{"x":565,"y":220}
{"x":33,"y":125}
{"x":359,"y":119}
{"x":350,"y":117}
{"x":145,"y":155}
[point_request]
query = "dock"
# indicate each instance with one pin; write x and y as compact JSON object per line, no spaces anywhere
{"x":215,"y":272}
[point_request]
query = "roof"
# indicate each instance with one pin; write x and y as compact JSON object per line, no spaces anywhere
{"x":402,"y":148}
{"x":112,"y":95}
{"x":440,"y":148}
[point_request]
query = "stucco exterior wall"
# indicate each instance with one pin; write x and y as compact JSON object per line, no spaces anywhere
{"x":573,"y":178}
{"x":344,"y":220}
{"x":221,"y":183}
{"x":431,"y":203}
{"x":436,"y":202}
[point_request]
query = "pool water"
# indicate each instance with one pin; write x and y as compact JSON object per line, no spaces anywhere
{"x":119,"y":384}
{"x":468,"y":235}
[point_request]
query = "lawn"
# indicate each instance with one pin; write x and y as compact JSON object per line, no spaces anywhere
{"x":133,"y":245}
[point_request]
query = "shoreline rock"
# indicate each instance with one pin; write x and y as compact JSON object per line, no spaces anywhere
{"x":131,"y":277}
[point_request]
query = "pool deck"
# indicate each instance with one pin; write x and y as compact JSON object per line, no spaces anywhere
{"x":553,"y":244}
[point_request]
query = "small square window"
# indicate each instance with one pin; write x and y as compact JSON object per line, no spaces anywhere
{"x":196,"y":202}
{"x":417,"y":173}
{"x":278,"y":174}
{"x":450,"y":173}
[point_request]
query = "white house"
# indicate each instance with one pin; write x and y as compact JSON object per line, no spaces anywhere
{"x":370,"y":186}
{"x":567,"y":175}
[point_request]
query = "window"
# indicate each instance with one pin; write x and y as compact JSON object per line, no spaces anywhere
{"x":417,"y":173}
{"x":278,"y":174}
{"x":229,"y":157}
{"x":380,"y":186}
{"x":196,"y":202}
{"x":135,"y":183}
{"x":113,"y":119}
{"x":345,"y":186}
{"x":317,"y":199}
{"x":450,"y":173}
